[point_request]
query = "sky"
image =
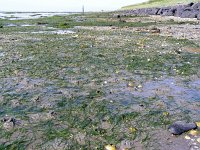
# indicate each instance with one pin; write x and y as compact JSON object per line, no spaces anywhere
{"x":64,"y":5}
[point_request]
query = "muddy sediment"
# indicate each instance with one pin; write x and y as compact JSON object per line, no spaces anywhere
{"x":68,"y":84}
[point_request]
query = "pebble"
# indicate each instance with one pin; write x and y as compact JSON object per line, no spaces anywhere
{"x":8,"y":123}
{"x":194,"y":132}
{"x":198,"y":124}
{"x":198,"y":140}
{"x":130,"y":84}
{"x":180,"y":127}
{"x":110,"y":147}
{"x":187,"y":137}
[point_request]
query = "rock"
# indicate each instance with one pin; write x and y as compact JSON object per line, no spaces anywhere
{"x":179,"y":10}
{"x":180,"y":127}
{"x":162,"y":10}
{"x":190,"y":4}
{"x":169,"y":12}
{"x":190,"y":10}
{"x":189,"y":14}
{"x":154,"y":30}
{"x":41,"y":23}
{"x":196,"y":6}
{"x":153,"y":11}
{"x":140,"y":12}
{"x":150,"y":11}
{"x":198,"y":16}
{"x":118,"y":16}
{"x":8,"y":123}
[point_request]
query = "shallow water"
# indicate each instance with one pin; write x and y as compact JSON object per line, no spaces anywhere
{"x":11,"y":25}
{"x":2,"y":54}
{"x":170,"y":87}
{"x":51,"y":32}
{"x":55,"y":32}
{"x":21,"y":16}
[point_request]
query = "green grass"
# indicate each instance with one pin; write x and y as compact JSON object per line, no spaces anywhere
{"x":158,"y":3}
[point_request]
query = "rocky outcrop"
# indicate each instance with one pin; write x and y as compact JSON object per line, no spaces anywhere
{"x":191,"y":10}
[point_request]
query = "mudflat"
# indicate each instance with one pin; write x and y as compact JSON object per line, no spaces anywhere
{"x":86,"y":81}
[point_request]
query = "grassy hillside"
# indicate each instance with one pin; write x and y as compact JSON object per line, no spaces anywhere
{"x":158,"y":3}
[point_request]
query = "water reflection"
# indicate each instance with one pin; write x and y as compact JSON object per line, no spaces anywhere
{"x":21,"y":16}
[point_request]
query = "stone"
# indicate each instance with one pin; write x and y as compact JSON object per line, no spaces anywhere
{"x":190,"y":4}
{"x":179,"y":10}
{"x":191,"y":10}
{"x":159,"y":12}
{"x":196,"y":6}
{"x":198,"y":16}
{"x":180,"y":127}
{"x":8,"y":123}
{"x":141,"y":12}
{"x":169,"y":12}
{"x":162,"y":10}
{"x":150,"y":11}
{"x":189,"y":14}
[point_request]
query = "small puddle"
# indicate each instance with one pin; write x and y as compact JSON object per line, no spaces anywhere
{"x":173,"y":93}
{"x":11,"y":25}
{"x":19,"y":84}
{"x":55,"y":32}
{"x":27,"y":25}
{"x":169,"y":87}
{"x":60,"y":32}
{"x":2,"y":54}
{"x":63,"y":32}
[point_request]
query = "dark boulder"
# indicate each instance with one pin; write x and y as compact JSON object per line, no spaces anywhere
{"x":190,"y":4}
{"x":180,"y":127}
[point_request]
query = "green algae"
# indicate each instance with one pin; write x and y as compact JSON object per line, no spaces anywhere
{"x":73,"y":79}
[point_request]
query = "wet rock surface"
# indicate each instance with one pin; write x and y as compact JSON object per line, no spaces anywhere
{"x":180,"y":127}
{"x":190,"y":10}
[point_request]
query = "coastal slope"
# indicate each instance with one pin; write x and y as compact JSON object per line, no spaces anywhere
{"x":157,"y":3}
